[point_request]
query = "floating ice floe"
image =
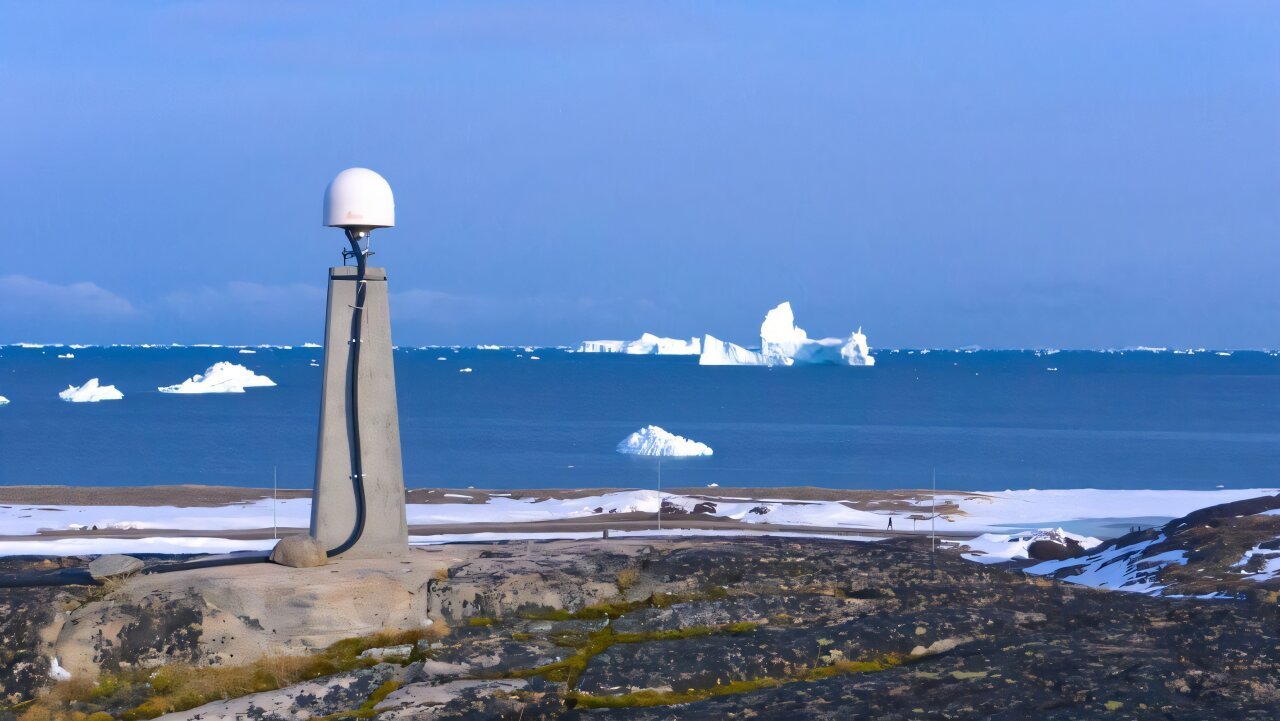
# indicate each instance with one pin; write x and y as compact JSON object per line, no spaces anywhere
{"x":67,"y":355}
{"x":783,"y":343}
{"x":246,"y":351}
{"x":90,"y":392}
{"x":647,"y":344}
{"x":464,"y":370}
{"x":311,"y":345}
{"x":4,"y":401}
{"x":221,"y":377}
{"x":654,"y":441}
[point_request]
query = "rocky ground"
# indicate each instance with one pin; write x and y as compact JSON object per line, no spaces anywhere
{"x":1227,"y":551}
{"x":732,"y":628}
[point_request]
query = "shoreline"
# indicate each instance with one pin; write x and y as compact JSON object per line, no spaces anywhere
{"x":80,"y":520}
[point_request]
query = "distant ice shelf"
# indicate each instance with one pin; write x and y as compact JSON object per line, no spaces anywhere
{"x":654,"y":441}
{"x":783,"y":343}
{"x":221,"y":377}
{"x":646,"y":344}
{"x":90,"y":392}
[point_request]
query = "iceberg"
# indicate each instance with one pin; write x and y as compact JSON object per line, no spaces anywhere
{"x":4,"y":401}
{"x":65,"y":356}
{"x":783,"y":343}
{"x":647,"y":344}
{"x":221,"y":377}
{"x":90,"y":392}
{"x":246,"y":351}
{"x":716,"y":352}
{"x":654,"y":441}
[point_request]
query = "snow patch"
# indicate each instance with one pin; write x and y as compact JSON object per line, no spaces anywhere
{"x":221,"y":377}
{"x":1270,"y":567}
{"x":998,"y":548}
{"x":654,"y":441}
{"x":56,"y":671}
{"x":1117,"y":569}
{"x":90,"y":392}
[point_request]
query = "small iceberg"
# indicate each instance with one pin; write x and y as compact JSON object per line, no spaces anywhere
{"x":90,"y":392}
{"x":783,"y":343}
{"x":654,"y":441}
{"x":4,"y":401}
{"x":647,"y":344}
{"x":67,"y":355}
{"x":246,"y":351}
{"x":221,"y":377}
{"x":464,"y":370}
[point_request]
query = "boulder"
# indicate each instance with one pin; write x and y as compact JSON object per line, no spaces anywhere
{"x":299,"y":552}
{"x":112,"y":565}
{"x":1050,"y":550}
{"x":386,"y":652}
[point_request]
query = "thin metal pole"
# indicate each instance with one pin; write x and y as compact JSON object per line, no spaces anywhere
{"x":659,"y":493}
{"x":933,"y":516}
{"x":274,"y":527}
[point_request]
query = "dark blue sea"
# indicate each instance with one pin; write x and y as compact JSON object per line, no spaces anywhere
{"x":986,"y":420}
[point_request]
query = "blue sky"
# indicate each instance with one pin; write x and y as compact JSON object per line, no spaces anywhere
{"x":1008,"y":174}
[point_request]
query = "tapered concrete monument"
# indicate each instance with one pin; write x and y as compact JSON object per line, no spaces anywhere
{"x":358,"y":504}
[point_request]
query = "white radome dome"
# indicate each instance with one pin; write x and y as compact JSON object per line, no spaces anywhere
{"x":359,"y":198}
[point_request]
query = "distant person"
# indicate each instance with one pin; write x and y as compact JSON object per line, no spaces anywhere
{"x":890,"y":523}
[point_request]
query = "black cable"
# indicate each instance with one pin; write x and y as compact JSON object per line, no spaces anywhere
{"x":353,"y":403}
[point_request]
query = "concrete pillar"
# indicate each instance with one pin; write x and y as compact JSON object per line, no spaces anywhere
{"x":333,"y":510}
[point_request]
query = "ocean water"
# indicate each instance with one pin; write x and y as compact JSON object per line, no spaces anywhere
{"x":985,"y":420}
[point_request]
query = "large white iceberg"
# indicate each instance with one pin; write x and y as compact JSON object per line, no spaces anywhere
{"x":783,"y":343}
{"x":647,"y":344}
{"x":716,"y":352}
{"x":654,"y":441}
{"x":221,"y":377}
{"x":90,"y":392}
